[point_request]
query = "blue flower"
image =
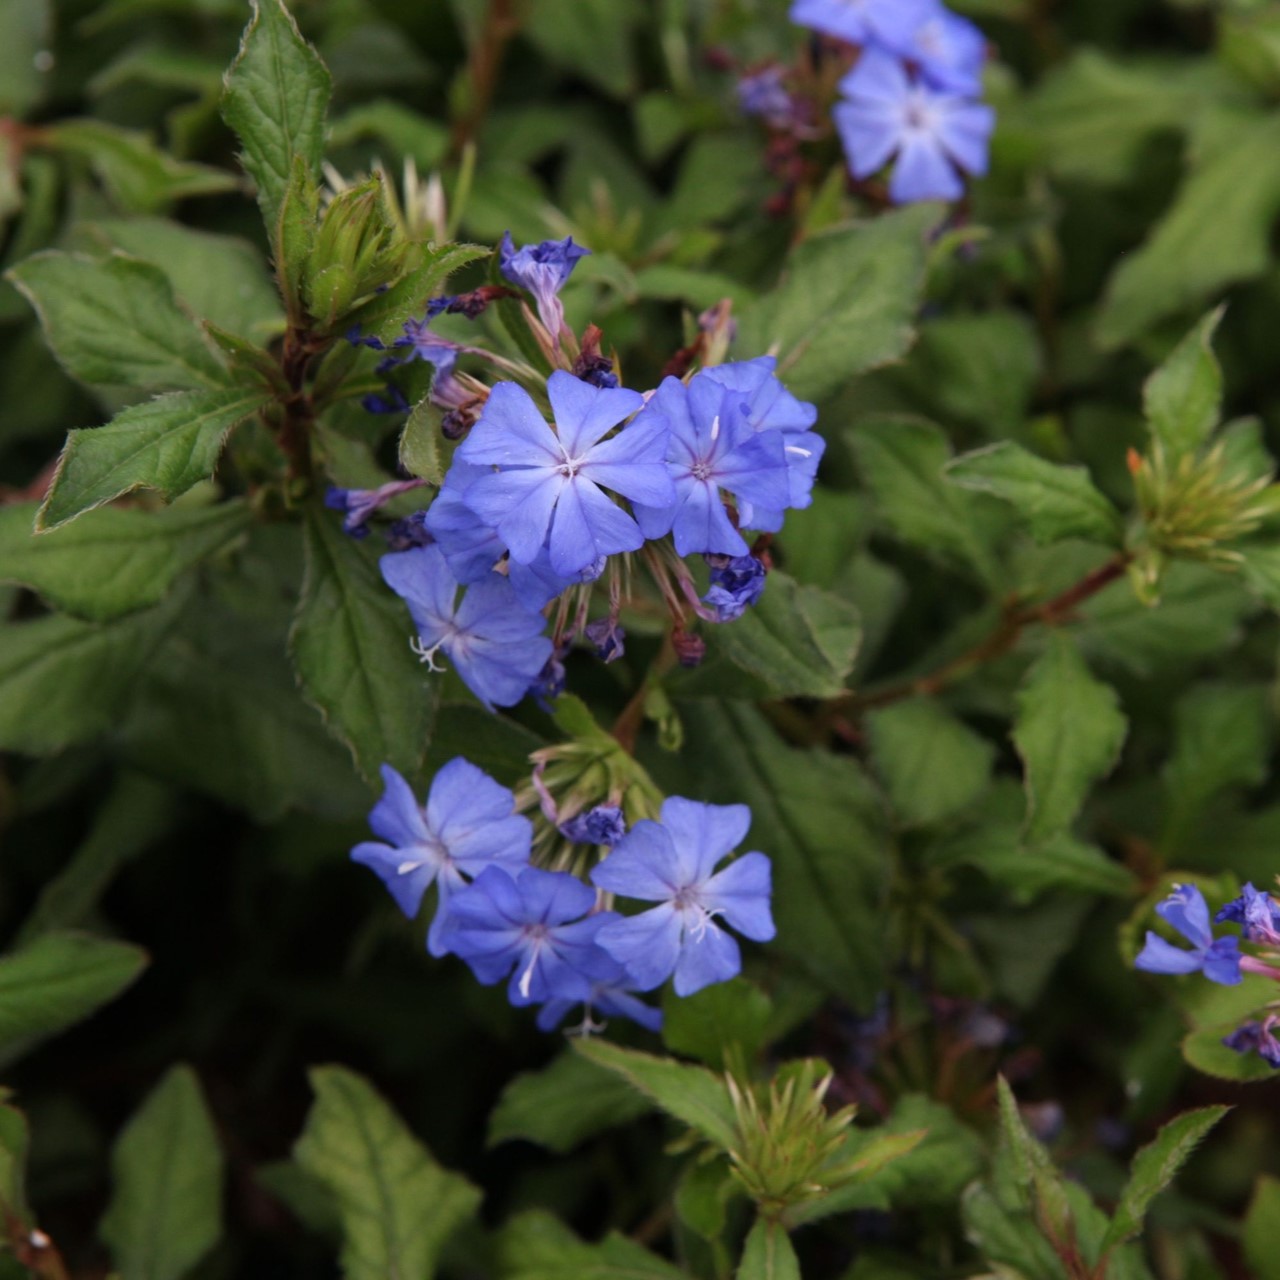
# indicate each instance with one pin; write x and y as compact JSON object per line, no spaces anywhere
{"x":932,"y":136}
{"x":888,"y":23}
{"x":673,"y":863}
{"x":737,"y":582}
{"x":537,"y":925}
{"x":711,"y":446}
{"x":468,"y":823}
{"x":359,"y":505}
{"x":422,"y":344}
{"x":762,"y":93}
{"x":602,"y":825}
{"x":771,"y":407}
{"x":1256,"y":1037}
{"x":549,"y":485}
{"x":1256,"y":912}
{"x":496,"y":644}
{"x":613,"y":1000}
{"x":1218,"y":959}
{"x":948,"y":49}
{"x":542,"y":269}
{"x":470,"y":546}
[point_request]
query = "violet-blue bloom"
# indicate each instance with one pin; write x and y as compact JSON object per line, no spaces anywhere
{"x":549,"y":487}
{"x":495,"y":644}
{"x":602,"y":825}
{"x":1218,"y":959}
{"x":673,"y":864}
{"x":711,"y":445}
{"x":948,"y":49}
{"x":1257,"y":913}
{"x":612,"y":1000}
{"x":737,"y":582}
{"x":762,"y":93}
{"x":542,"y":269}
{"x":468,"y":823}
{"x":931,"y":136}
{"x":887,"y":23}
{"x":537,"y":925}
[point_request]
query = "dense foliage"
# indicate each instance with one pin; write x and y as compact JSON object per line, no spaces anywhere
{"x":742,"y":530}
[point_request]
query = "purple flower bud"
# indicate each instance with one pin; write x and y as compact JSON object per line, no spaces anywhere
{"x":760,"y":93}
{"x":360,"y":504}
{"x":737,"y":582}
{"x":690,"y":648}
{"x":409,"y":532}
{"x":1256,"y":1037}
{"x":607,"y":635}
{"x":1256,"y":913}
{"x":392,"y":400}
{"x":357,"y":339}
{"x":602,"y":825}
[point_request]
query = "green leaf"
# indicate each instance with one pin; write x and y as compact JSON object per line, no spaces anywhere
{"x":25,"y":30}
{"x":57,"y":981}
{"x":221,"y":279}
{"x":112,"y":562}
{"x":1260,"y":568}
{"x":932,"y":764}
{"x":817,"y":817}
{"x":594,"y":38}
{"x":865,"y":1157}
{"x":768,"y":1254}
{"x":1154,"y":1168}
{"x":691,"y":1094}
{"x":139,"y":176}
{"x":136,"y":813}
{"x":715,"y":1020}
{"x":1234,"y":187}
{"x":537,"y":1246}
{"x":168,"y":444}
{"x":1035,"y":1171}
{"x":563,"y":1104}
{"x":350,"y":646}
{"x":845,"y":303}
{"x":384,"y":314}
{"x":1069,"y":730}
{"x":903,"y":461}
{"x":277,"y":92}
{"x":62,"y":680}
{"x":398,"y":1206}
{"x":420,"y":443}
{"x":15,"y":1142}
{"x":1262,"y":1229}
{"x":113,"y":322}
{"x":1203,"y":1049}
{"x":1183,"y":398}
{"x":796,"y":641}
{"x":165,"y":1212}
{"x":1056,"y":501}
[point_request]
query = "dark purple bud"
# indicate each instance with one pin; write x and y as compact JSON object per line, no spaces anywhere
{"x":357,"y":339}
{"x":402,"y":535}
{"x":607,"y":635}
{"x":602,"y":825}
{"x":690,"y":648}
{"x":391,"y":401}
{"x":457,"y":422}
{"x":1256,"y":1037}
{"x":736,"y":584}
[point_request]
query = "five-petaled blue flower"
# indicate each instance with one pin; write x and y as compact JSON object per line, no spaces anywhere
{"x":467,"y":824}
{"x":932,"y":136}
{"x":542,"y":269}
{"x":538,"y":928}
{"x":493,"y":641}
{"x":1218,"y":959}
{"x":673,"y":864}
{"x":549,"y":486}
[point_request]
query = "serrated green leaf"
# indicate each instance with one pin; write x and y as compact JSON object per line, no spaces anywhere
{"x":563,"y":1104}
{"x":113,"y":322}
{"x":420,"y":443}
{"x":903,"y":462}
{"x":350,"y":646}
{"x":63,"y":680}
{"x":385,"y":313}
{"x":1069,"y":730}
{"x":1056,"y":501}
{"x":538,"y":1246}
{"x":398,"y":1206}
{"x":845,"y":303}
{"x":932,"y":764}
{"x":1262,"y":1229}
{"x":165,"y":1212}
{"x":715,"y":1020}
{"x":817,"y":817}
{"x":768,"y":1254}
{"x":112,"y":562}
{"x":1183,"y":397}
{"x":140,"y":176}
{"x":1042,"y":1183}
{"x":691,"y":1094}
{"x":796,"y":641}
{"x":276,"y":96}
{"x":167,"y":444}
{"x":58,"y":980}
{"x":1233,"y":187}
{"x":1154,"y":1168}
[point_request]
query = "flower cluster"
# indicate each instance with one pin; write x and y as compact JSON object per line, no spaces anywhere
{"x":1220,"y":959}
{"x":532,"y":512}
{"x":911,"y":98}
{"x":556,"y":939}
